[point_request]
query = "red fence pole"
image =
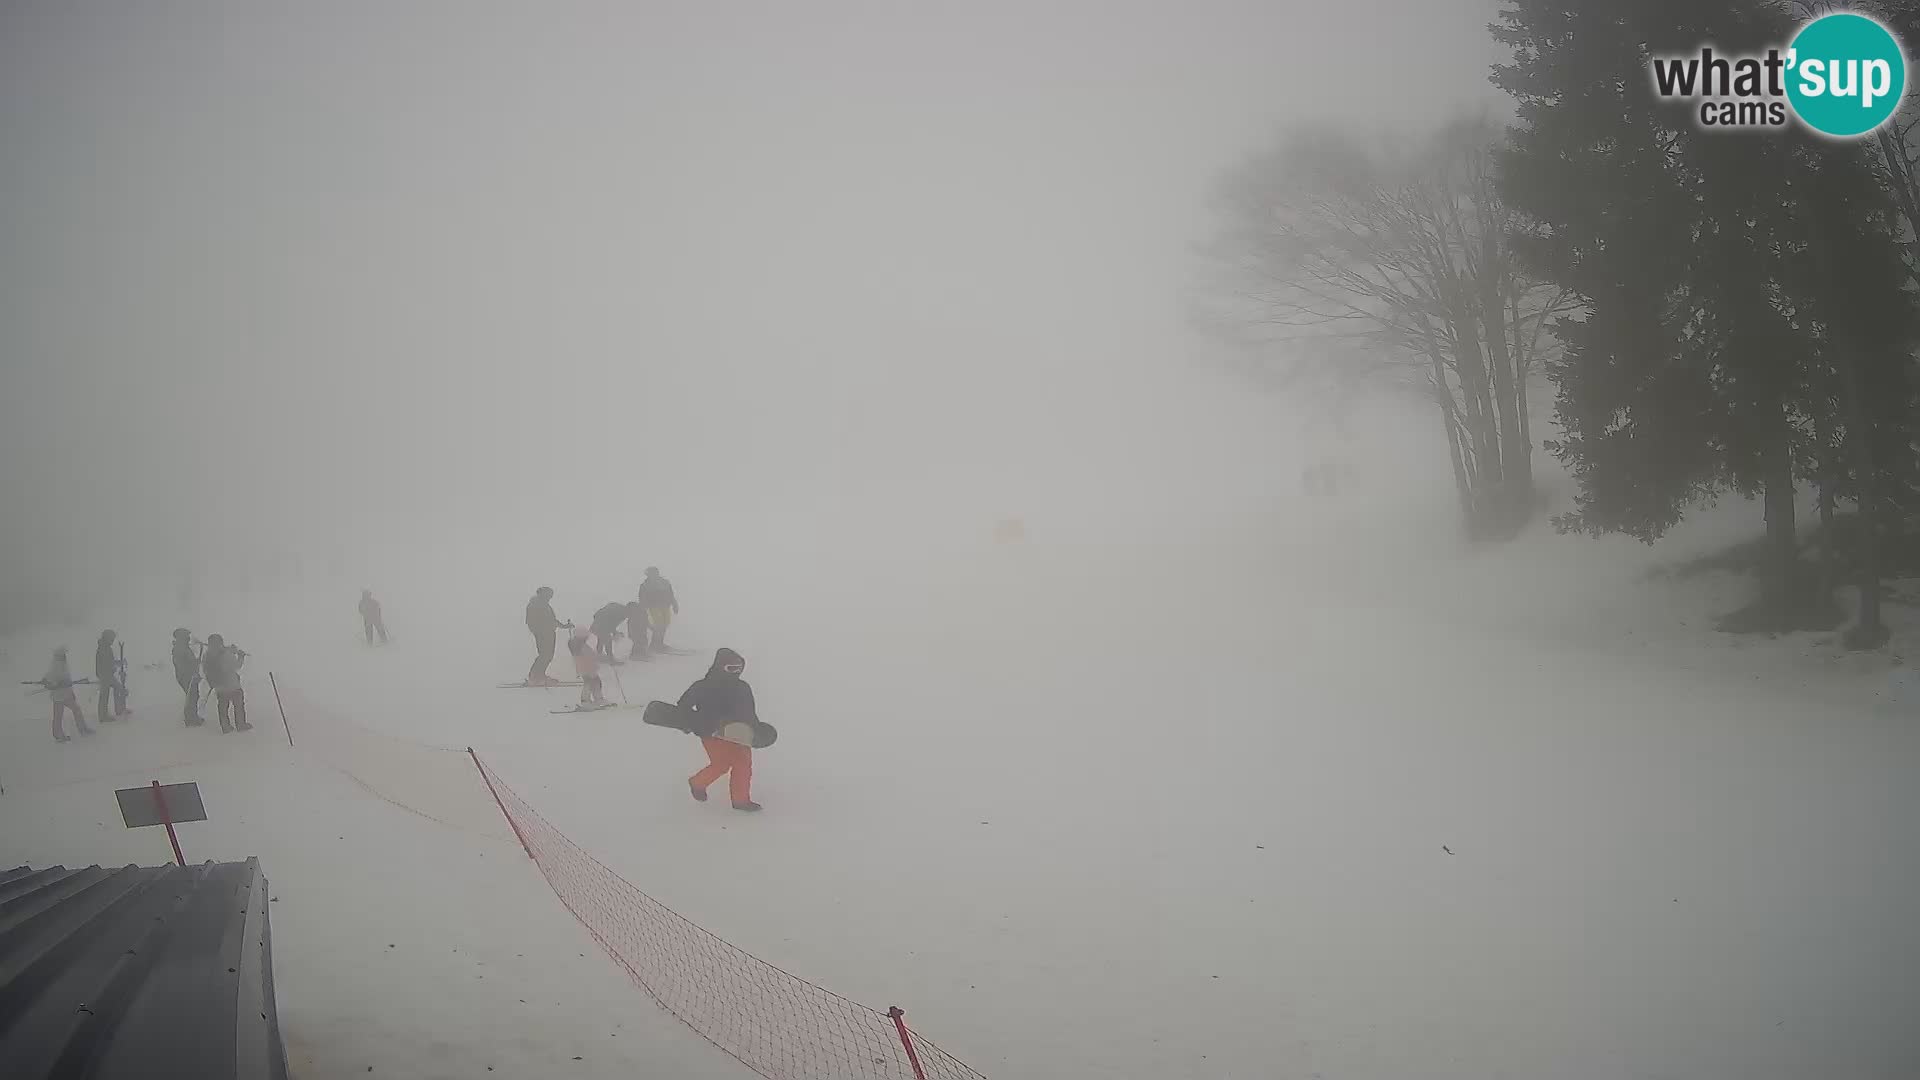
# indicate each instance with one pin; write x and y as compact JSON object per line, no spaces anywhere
{"x":283,"y":708}
{"x":906,"y":1040}
{"x":512,"y":824}
{"x":166,"y":818}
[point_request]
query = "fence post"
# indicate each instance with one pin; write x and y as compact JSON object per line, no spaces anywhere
{"x":906,"y":1040}
{"x":271,"y":681}
{"x":512,"y":824}
{"x":166,"y":818}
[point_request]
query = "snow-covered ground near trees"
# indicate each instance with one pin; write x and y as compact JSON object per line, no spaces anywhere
{"x":1302,"y":790}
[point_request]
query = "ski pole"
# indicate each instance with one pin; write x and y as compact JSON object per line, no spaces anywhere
{"x":621,"y":685}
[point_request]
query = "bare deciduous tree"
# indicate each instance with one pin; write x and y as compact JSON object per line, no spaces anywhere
{"x":1376,"y":263}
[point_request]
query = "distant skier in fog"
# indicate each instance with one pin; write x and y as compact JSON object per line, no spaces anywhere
{"x":656,"y":595}
{"x":720,"y":697}
{"x":543,"y":624}
{"x":106,"y":672}
{"x":370,"y":619}
{"x":186,"y":672}
{"x":222,"y":664}
{"x":59,"y":682}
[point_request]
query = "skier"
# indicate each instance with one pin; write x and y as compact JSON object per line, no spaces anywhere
{"x":543,"y":623}
{"x":605,"y":622}
{"x":186,"y":672}
{"x":106,"y":671}
{"x":586,"y":664}
{"x":637,"y":630}
{"x":370,"y":619}
{"x":656,"y":595}
{"x":718,"y":698}
{"x":59,"y":682}
{"x":222,"y":663}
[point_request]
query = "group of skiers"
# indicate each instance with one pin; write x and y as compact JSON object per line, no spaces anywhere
{"x":721,"y":696}
{"x":214,"y":659}
{"x":646,"y":616}
{"x":718,"y":698}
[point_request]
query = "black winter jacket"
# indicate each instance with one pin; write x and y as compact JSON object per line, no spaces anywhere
{"x":540,"y":616}
{"x":720,"y":698}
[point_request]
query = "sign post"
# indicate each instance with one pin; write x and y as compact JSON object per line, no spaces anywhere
{"x":162,"y":804}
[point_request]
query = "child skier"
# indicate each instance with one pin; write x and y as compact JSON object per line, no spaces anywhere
{"x":59,"y":683}
{"x":586,"y":663}
{"x":723,"y":696}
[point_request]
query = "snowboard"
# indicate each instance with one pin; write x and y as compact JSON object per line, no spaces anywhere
{"x":754,"y":733}
{"x":586,"y":708}
{"x":535,"y":685}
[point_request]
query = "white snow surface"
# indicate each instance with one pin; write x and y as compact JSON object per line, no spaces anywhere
{"x":1234,"y":798}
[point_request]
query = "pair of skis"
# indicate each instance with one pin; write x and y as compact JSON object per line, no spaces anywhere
{"x":600,"y":707}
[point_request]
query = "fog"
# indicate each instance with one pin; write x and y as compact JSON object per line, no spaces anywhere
{"x":1202,"y":776}
{"x":286,"y":278}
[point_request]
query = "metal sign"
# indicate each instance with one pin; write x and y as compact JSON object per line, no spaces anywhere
{"x":142,"y":806}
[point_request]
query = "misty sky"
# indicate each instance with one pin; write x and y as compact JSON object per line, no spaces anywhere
{"x":272,"y":270}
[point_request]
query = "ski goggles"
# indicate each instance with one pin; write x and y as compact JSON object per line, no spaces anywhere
{"x":733,"y":669}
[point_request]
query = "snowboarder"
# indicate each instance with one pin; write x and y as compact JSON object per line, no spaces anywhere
{"x":222,"y":664}
{"x":370,"y":619}
{"x":606,"y":622}
{"x":59,"y":682}
{"x":586,"y":664}
{"x":656,"y":595}
{"x":106,"y":672}
{"x":723,"y":696}
{"x":186,"y":672}
{"x":542,"y":623}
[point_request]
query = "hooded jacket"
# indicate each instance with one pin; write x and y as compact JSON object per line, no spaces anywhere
{"x":540,"y":616}
{"x":720,"y":697}
{"x":185,"y":665}
{"x":59,"y":678}
{"x":222,"y":665}
{"x":369,"y":608}
{"x":104,"y":667}
{"x":657,"y":592}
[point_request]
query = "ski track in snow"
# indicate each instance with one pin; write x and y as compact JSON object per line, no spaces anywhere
{"x":1074,"y":825}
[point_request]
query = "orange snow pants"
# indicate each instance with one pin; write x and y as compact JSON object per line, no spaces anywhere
{"x":725,"y":758}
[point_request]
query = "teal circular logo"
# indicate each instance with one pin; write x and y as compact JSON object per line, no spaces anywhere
{"x":1848,"y":75}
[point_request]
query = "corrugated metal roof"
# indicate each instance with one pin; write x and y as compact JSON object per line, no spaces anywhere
{"x":151,"y":972}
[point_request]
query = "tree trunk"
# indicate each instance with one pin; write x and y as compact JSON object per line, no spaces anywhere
{"x":1443,"y":399}
{"x":1783,"y":549}
{"x":1869,"y":631}
{"x":1516,"y":483}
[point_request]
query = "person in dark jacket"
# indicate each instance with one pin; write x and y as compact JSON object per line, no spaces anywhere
{"x":543,"y":624}
{"x":656,"y":595}
{"x":606,"y":622}
{"x":106,"y":672}
{"x":222,"y":664}
{"x":722,"y":696}
{"x":186,"y":672}
{"x":370,"y":619}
